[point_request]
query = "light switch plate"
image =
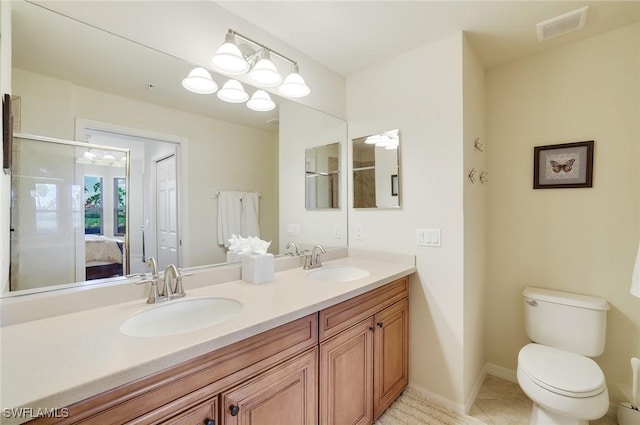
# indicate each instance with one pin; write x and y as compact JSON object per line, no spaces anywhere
{"x":429,"y":237}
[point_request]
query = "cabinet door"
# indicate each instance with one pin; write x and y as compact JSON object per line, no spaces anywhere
{"x":286,"y":394}
{"x":204,"y":414}
{"x":391,"y":355}
{"x":346,"y":381}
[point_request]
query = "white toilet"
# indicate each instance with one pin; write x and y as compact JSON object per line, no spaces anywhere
{"x":555,"y":371}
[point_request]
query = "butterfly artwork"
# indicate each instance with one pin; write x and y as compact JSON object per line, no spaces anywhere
{"x":557,"y":167}
{"x":566,"y":165}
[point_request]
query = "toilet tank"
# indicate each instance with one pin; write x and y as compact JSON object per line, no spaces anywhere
{"x":570,"y":322}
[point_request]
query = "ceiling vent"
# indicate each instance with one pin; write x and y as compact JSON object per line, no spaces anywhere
{"x":562,"y":24}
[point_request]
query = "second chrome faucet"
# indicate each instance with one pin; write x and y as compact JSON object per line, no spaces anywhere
{"x":313,"y":261}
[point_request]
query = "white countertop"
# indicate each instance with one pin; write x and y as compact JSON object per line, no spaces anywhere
{"x":60,"y":360}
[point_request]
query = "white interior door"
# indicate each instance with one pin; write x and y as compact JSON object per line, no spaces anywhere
{"x":166,"y":212}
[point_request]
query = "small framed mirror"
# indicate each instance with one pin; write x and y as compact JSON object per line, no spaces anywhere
{"x":322,"y":177}
{"x":376,"y":171}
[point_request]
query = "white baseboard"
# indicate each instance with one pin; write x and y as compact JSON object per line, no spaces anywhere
{"x":502,"y":372}
{"x":475,"y":390}
{"x":458,"y":408}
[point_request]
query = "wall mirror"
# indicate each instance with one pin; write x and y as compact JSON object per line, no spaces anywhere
{"x":376,"y":171}
{"x":72,"y":81}
{"x":322,"y":174}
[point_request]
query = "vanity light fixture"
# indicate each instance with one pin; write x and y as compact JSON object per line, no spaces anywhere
{"x":228,"y":58}
{"x":199,"y":81}
{"x":232,"y":92}
{"x":294,"y":85}
{"x":388,"y":140}
{"x":255,"y":58}
{"x":261,"y":101}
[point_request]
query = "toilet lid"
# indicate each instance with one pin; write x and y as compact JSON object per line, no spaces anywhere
{"x":561,"y":372}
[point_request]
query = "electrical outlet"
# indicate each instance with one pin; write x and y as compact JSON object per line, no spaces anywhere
{"x":359,"y":232}
{"x":293,"y":230}
{"x":336,"y":232}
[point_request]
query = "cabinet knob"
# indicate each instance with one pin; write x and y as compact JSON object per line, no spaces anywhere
{"x":371,"y":328}
{"x":209,"y":422}
{"x":380,"y":324}
{"x":234,"y":410}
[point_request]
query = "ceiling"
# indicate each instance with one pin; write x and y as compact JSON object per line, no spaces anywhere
{"x":349,"y":36}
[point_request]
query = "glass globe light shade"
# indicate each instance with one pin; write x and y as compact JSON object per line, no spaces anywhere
{"x":261,"y":101}
{"x":233,"y":92}
{"x":264,"y":73}
{"x":199,"y":81}
{"x":294,"y":85}
{"x":228,"y":58}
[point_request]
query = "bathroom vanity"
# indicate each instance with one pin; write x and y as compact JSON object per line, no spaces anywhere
{"x":338,"y":354}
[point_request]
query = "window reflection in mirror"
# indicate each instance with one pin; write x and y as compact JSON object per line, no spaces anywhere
{"x":322,"y":174}
{"x":376,"y":176}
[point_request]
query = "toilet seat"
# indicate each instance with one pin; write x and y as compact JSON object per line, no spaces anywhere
{"x":561,"y":372}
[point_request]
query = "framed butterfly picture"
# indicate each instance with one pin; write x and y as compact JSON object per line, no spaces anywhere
{"x":566,"y":165}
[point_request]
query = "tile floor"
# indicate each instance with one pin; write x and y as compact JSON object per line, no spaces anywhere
{"x":501,"y":402}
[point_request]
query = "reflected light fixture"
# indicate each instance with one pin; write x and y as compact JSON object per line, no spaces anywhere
{"x":255,"y":58}
{"x":232,"y":92}
{"x":261,"y":101}
{"x":199,"y":81}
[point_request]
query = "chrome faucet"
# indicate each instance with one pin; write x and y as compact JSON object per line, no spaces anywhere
{"x":313,"y":261}
{"x":151,"y":262}
{"x":293,"y":245}
{"x":177,"y":291}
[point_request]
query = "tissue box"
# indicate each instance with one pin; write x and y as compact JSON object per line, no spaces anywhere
{"x":233,"y":257}
{"x":257,"y":268}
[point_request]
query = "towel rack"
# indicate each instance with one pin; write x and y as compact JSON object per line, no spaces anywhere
{"x":216,"y":193}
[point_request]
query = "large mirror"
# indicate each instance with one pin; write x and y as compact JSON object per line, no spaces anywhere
{"x":322,"y":174}
{"x":72,"y":81}
{"x":376,"y":175}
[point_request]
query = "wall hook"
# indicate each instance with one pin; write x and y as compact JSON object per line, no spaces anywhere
{"x":478,"y":145}
{"x":484,"y":177}
{"x":472,"y":175}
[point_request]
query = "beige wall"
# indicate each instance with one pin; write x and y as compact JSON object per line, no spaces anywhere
{"x":475,"y":251}
{"x":219,"y":155}
{"x":420,"y":93}
{"x":577,"y":240}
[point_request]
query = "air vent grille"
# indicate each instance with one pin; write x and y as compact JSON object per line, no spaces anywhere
{"x":562,"y":24}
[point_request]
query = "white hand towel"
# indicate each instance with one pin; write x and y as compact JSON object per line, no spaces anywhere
{"x":251,"y":214}
{"x":229,"y":216}
{"x":635,"y":278}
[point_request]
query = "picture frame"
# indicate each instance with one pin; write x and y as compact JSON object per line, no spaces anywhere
{"x":394,"y":185}
{"x":563,"y":166}
{"x":7,"y":133}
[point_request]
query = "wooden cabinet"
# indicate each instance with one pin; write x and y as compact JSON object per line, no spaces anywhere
{"x":390,"y":355}
{"x":342,"y":366}
{"x":287,"y":394}
{"x":364,"y":367}
{"x":346,"y":378}
{"x":204,"y":414}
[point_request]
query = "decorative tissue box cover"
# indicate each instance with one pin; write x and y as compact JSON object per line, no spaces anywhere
{"x":257,"y":268}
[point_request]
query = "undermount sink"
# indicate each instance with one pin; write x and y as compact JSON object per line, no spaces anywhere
{"x":176,"y":317}
{"x":338,"y":273}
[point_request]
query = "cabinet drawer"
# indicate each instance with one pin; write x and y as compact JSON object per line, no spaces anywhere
{"x":341,"y":316}
{"x":145,"y":401}
{"x":204,"y":414}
